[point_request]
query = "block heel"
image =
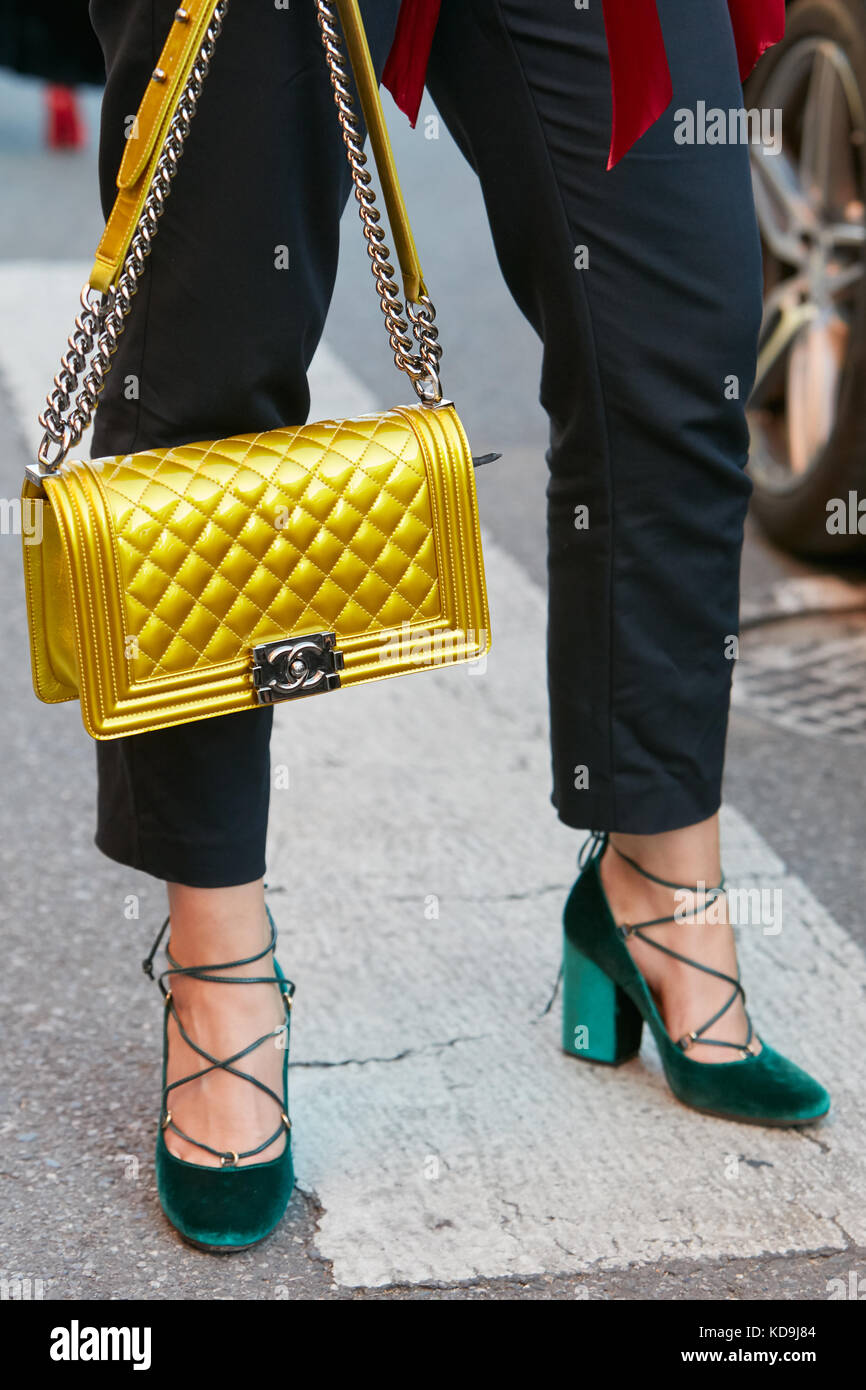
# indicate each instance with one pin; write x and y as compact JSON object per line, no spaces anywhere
{"x":599,"y":1021}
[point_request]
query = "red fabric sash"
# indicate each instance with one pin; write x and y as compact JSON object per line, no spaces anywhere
{"x":640,"y":78}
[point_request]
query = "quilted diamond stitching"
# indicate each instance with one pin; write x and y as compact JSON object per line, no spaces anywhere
{"x":373,"y":616}
{"x":202,"y":619}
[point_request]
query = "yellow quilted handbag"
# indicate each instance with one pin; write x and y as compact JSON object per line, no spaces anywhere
{"x":174,"y":584}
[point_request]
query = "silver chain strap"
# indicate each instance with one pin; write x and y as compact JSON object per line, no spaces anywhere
{"x":103,"y":317}
{"x":70,"y":405}
{"x":422,"y":366}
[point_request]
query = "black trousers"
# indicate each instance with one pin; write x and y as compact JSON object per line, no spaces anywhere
{"x":644,"y":285}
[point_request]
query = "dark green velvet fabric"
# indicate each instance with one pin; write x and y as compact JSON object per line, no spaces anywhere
{"x":599,"y":1021}
{"x":225,"y":1208}
{"x":765,"y":1089}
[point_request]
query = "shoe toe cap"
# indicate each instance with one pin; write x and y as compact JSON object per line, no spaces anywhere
{"x":223,"y":1208}
{"x":766,"y":1089}
{"x":790,"y":1093}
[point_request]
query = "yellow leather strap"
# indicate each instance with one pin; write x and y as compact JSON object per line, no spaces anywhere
{"x":371,"y":104}
{"x":154,"y":116}
{"x":146,"y":137}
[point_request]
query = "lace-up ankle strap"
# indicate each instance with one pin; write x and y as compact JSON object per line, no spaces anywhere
{"x":208,"y":973}
{"x":596,"y":845}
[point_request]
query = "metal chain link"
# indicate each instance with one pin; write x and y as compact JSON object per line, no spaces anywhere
{"x":422,"y":366}
{"x":70,"y":405}
{"x":103,"y":318}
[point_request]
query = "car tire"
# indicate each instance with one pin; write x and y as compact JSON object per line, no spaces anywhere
{"x":793,"y":504}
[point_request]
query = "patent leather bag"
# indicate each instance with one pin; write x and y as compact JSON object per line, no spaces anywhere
{"x":178,"y":583}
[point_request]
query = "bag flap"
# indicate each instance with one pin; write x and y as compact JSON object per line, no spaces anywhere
{"x":181,"y":561}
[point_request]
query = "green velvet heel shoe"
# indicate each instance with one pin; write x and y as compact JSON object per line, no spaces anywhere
{"x":606,"y":1003}
{"x":230,"y":1207}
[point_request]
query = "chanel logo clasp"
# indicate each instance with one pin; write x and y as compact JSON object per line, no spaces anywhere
{"x":295,"y":666}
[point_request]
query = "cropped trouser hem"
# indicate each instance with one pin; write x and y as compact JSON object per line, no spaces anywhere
{"x":196,"y":866}
{"x":665,"y":808}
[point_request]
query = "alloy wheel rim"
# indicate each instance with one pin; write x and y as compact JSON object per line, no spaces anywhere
{"x":812,"y":219}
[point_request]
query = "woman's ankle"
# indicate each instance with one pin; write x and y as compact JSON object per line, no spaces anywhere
{"x":687,"y":856}
{"x":211,"y":925}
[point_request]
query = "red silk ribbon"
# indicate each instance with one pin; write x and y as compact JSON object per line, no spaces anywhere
{"x":640,"y":77}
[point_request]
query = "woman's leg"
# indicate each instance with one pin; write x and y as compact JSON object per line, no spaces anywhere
{"x":222,"y":332}
{"x":208,"y":927}
{"x":644,"y":284}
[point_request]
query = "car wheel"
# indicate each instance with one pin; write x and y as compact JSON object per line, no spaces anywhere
{"x":808,"y":409}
